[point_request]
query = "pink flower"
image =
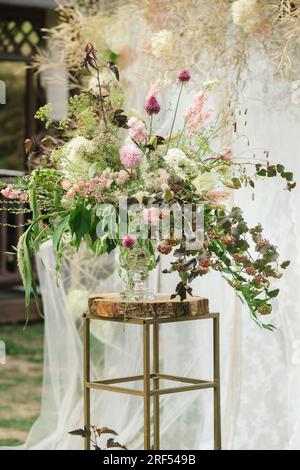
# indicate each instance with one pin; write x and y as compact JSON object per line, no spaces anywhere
{"x":152,"y":215}
{"x":10,"y":193}
{"x":130,"y":156}
{"x":137,"y":130}
{"x":218,"y":196}
{"x":71,"y":193}
{"x":103,"y":181}
{"x":123,"y":176}
{"x":155,"y":89}
{"x":195,"y":115}
{"x":128,"y":241}
{"x":226,"y":154}
{"x":66,"y":185}
{"x":152,"y":106}
{"x":184,"y":76}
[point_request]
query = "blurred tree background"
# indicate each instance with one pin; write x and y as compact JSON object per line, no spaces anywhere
{"x":12,"y":116}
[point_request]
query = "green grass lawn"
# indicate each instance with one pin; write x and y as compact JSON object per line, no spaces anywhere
{"x":20,"y":381}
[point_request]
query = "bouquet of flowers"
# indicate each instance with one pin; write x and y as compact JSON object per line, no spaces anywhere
{"x":105,"y":178}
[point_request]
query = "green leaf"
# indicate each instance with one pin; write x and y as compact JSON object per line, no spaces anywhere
{"x":80,"y":222}
{"x":236,"y":183}
{"x":289,"y":176}
{"x":285,"y":264}
{"x":59,"y":230}
{"x":274,"y":293}
{"x":280,"y":168}
{"x":272,"y":171}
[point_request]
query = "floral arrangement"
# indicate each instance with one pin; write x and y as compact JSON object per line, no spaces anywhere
{"x":100,"y":155}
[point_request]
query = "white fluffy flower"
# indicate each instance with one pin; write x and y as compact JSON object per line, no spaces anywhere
{"x":246,"y":15}
{"x":162,"y":43}
{"x":205,"y":182}
{"x":77,"y":302}
{"x":180,"y":164}
{"x":140,"y":196}
{"x":73,"y":163}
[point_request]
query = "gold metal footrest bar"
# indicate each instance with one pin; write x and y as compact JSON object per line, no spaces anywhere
{"x":117,"y":380}
{"x":176,"y":378}
{"x":187,"y":388}
{"x":113,"y":388}
{"x":107,"y":385}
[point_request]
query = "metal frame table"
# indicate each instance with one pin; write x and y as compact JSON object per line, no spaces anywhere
{"x":191,"y":384}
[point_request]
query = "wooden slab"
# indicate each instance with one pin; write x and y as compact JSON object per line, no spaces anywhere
{"x":111,"y":305}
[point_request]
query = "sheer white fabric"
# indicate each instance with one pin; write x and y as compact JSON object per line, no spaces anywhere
{"x":260,"y":370}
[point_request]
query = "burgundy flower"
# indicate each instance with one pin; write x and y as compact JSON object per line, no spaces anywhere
{"x":90,"y":56}
{"x":184,"y":76}
{"x":152,"y":106}
{"x":128,"y":241}
{"x":164,"y":248}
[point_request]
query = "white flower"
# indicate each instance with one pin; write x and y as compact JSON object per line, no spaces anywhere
{"x":73,"y":163}
{"x":162,"y":43}
{"x":155,"y":180}
{"x":77,"y":302}
{"x":180,"y":164}
{"x":205,"y":182}
{"x":246,"y":15}
{"x":140,"y":196}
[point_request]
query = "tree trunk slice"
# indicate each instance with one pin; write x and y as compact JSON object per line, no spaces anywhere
{"x":111,"y":305}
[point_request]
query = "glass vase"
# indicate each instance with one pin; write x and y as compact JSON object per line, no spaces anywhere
{"x":135,"y":266}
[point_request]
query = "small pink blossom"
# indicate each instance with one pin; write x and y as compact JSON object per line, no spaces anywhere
{"x":71,"y":193}
{"x":123,"y":176}
{"x":10,"y":193}
{"x":218,"y":196}
{"x":66,"y":184}
{"x":226,"y":154}
{"x":130,"y":156}
{"x":184,"y":76}
{"x":128,"y":241}
{"x":137,"y":130}
{"x":152,"y":106}
{"x":155,"y":89}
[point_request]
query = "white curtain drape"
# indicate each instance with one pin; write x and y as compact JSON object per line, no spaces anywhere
{"x":260,"y":370}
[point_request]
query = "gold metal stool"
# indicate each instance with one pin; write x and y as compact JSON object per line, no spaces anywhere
{"x":155,"y":376}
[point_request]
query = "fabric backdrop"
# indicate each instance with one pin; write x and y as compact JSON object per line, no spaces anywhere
{"x":260,"y":370}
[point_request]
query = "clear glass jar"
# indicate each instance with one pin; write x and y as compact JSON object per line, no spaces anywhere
{"x":135,"y":266}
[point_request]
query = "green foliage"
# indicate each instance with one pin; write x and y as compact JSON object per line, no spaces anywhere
{"x":80,"y":222}
{"x":81,"y":110}
{"x":43,"y":115}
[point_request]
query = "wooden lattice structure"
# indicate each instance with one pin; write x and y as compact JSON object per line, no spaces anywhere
{"x":21,"y":23}
{"x":20,"y":33}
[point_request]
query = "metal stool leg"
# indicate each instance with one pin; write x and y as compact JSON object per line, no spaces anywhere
{"x":156,"y":383}
{"x":217,"y":391}
{"x":146,"y":373}
{"x":86,"y":378}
